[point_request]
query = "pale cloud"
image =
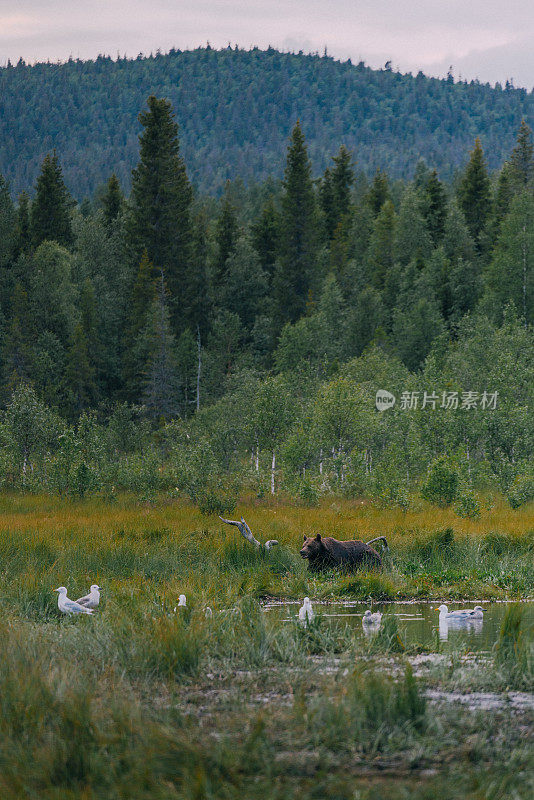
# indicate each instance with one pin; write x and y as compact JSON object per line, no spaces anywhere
{"x":482,"y":38}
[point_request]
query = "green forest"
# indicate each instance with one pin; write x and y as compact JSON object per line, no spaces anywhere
{"x":236,"y":109}
{"x":164,"y":340}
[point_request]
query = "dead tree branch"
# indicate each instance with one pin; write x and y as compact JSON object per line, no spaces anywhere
{"x":245,"y":531}
{"x":380,"y":539}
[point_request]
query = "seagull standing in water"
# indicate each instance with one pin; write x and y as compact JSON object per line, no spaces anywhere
{"x":69,"y":606}
{"x":306,"y":613}
{"x":92,"y":599}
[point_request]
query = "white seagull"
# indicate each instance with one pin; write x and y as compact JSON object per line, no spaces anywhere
{"x":306,"y":613}
{"x":92,"y":599}
{"x":372,"y":619}
{"x":69,"y":606}
{"x":181,"y":602}
{"x":461,"y":614}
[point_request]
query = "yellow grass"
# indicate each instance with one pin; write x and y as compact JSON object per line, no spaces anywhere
{"x":96,"y":520}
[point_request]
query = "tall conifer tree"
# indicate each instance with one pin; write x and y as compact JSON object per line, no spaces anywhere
{"x":522,"y":157}
{"x":161,"y":201}
{"x":294,"y":276}
{"x":23,"y":224}
{"x":226,"y":235}
{"x":266,"y":235}
{"x":50,"y":215}
{"x":474,"y":194}
{"x":435,"y":207}
{"x":378,"y":192}
{"x":8,"y":233}
{"x":342,"y":180}
{"x":113,"y":200}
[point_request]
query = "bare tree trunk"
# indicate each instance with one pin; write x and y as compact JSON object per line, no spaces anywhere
{"x":257,"y":456}
{"x":321,"y":461}
{"x":273,"y":467}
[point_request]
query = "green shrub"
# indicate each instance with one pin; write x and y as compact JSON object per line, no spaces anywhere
{"x":442,"y":482}
{"x":467,"y":506}
{"x":521,"y":491}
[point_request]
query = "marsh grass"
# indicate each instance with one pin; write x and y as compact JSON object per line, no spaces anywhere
{"x":514,"y":649}
{"x":120,"y":704}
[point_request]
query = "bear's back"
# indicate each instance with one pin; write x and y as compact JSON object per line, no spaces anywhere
{"x":353,"y":551}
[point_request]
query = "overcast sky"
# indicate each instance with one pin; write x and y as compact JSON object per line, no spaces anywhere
{"x":488,"y":39}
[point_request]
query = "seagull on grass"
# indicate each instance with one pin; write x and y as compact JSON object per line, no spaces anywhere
{"x":67,"y":606}
{"x":306,"y":613}
{"x":92,"y":599}
{"x":181,"y":602}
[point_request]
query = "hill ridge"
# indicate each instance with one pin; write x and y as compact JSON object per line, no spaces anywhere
{"x":236,"y":107}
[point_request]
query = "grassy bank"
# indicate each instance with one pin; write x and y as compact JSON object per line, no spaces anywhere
{"x":142,"y":701}
{"x":169,"y":548}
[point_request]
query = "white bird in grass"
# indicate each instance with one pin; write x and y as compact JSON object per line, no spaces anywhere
{"x":69,"y":606}
{"x":92,"y":599}
{"x":461,"y":614}
{"x":372,"y":619}
{"x":181,"y":602}
{"x":306,"y":613}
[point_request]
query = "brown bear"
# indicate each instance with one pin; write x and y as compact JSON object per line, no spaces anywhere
{"x":323,"y":552}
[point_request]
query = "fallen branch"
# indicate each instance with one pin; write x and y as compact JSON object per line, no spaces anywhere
{"x":380,"y":539}
{"x":245,"y":531}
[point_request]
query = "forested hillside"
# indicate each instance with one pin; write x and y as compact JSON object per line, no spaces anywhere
{"x":236,"y":109}
{"x":166,"y":340}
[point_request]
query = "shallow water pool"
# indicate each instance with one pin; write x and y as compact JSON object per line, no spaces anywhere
{"x":418,"y":622}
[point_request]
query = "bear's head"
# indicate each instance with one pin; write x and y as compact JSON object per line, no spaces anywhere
{"x":313,"y":547}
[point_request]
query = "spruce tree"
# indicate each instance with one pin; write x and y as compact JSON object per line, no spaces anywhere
{"x":8,"y":233}
{"x":141,"y":298}
{"x":510,"y":275}
{"x":327,"y":204}
{"x":244,"y":290}
{"x":378,"y":192}
{"x":265,"y":237}
{"x":226,"y":235}
{"x":196,"y":298}
{"x":50,"y":215}
{"x":16,"y":346}
{"x":435,"y":207}
{"x":113,"y":200}
{"x":342,"y":181}
{"x":522,"y":157}
{"x":474,"y":194}
{"x":294,"y":276}
{"x":90,"y":327}
{"x":79,"y":373}
{"x":161,"y":201}
{"x":334,"y":193}
{"x":23,"y":224}
{"x":382,"y":245}
{"x":503,"y":197}
{"x":412,"y":235}
{"x":156,"y":352}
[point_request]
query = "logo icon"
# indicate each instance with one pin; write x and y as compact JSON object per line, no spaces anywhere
{"x":384,"y":400}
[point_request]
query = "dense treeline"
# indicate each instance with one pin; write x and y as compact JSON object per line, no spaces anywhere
{"x":168,"y":341}
{"x":236,"y":109}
